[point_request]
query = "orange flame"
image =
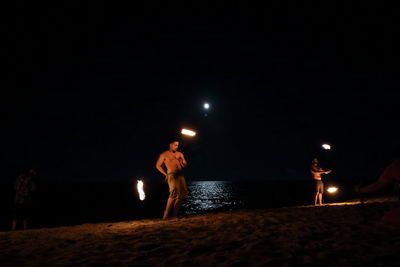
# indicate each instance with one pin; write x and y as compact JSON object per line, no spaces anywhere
{"x":188,"y":132}
{"x":142,"y":195}
{"x":326,"y":146}
{"x":332,"y":189}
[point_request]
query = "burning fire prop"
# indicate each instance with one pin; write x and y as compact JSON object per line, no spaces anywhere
{"x":139,"y":186}
{"x":326,"y":146}
{"x":332,"y":189}
{"x":188,"y":132}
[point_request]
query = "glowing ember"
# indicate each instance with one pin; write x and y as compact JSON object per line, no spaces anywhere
{"x":326,"y":146}
{"x":332,"y":189}
{"x":188,"y":132}
{"x":142,"y":195}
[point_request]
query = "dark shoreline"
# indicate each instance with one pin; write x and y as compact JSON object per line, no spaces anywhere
{"x":77,"y":203}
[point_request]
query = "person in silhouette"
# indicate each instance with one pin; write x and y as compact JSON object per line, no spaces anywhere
{"x":24,"y":187}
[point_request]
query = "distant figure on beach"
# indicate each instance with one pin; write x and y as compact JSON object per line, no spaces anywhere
{"x":389,"y":176}
{"x":175,"y":162}
{"x":24,"y":187}
{"x":316,"y":172}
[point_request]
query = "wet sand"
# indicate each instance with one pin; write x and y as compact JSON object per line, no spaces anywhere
{"x":343,"y":233}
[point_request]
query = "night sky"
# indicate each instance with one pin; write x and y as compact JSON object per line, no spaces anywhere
{"x":93,"y":91}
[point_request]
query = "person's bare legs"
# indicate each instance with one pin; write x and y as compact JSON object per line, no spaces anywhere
{"x":318,"y":199}
{"x":14,"y":225}
{"x":177,"y":205}
{"x":170,"y":204}
{"x":25,"y":224}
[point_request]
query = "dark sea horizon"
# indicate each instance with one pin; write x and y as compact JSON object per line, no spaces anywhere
{"x":78,"y":203}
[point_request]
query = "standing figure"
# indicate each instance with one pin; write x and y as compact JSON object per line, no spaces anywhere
{"x":24,"y":187}
{"x":174,"y":162}
{"x":316,"y":172}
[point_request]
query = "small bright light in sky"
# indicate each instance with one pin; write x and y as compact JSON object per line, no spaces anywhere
{"x":332,"y":189}
{"x":206,"y":105}
{"x":326,"y":147}
{"x":188,"y":132}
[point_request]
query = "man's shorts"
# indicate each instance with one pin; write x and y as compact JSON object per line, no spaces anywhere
{"x":319,"y":186}
{"x":177,"y":186}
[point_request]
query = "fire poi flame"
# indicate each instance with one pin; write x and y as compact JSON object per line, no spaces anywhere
{"x":188,"y":132}
{"x":142,"y":195}
{"x":326,"y":146}
{"x":332,"y":189}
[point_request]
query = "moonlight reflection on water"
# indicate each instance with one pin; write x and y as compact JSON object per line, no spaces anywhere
{"x":208,"y":196}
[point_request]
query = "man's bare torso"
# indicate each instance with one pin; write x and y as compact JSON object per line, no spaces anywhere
{"x":173,"y":161}
{"x":316,"y":172}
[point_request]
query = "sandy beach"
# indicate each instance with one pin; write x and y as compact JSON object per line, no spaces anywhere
{"x":328,"y":235}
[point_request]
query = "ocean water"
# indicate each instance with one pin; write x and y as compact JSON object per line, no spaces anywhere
{"x":69,"y":204}
{"x":206,"y":196}
{"x":210,"y":196}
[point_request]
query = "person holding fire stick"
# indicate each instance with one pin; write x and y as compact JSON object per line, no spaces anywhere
{"x":174,"y":162}
{"x":316,"y":172}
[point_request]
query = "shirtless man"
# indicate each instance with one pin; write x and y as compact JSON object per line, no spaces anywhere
{"x":316,"y":172}
{"x":175,"y":162}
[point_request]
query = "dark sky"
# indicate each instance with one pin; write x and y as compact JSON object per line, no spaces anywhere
{"x":92,"y":91}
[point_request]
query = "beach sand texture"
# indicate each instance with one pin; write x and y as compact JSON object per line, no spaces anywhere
{"x":328,"y":235}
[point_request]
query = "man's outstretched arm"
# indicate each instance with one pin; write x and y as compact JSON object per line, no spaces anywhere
{"x":320,"y":172}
